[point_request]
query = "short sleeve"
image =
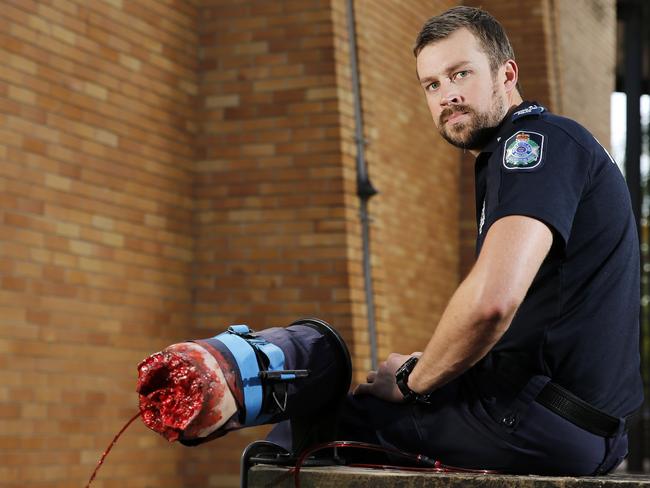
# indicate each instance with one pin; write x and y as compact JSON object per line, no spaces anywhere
{"x":542,"y":174}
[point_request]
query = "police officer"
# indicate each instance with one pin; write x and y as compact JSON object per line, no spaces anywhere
{"x":534,"y":365}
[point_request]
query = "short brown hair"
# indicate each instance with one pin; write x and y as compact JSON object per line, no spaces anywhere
{"x":486,"y":29}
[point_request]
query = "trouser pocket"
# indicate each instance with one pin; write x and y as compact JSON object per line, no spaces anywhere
{"x":615,"y":450}
{"x":552,"y":444}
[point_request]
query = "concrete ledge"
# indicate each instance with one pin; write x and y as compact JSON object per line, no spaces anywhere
{"x":336,"y":477}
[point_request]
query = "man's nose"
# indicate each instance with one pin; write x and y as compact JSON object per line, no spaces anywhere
{"x":450,"y":95}
{"x":450,"y":98}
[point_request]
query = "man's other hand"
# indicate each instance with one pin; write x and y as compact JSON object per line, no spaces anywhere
{"x":381,"y":383}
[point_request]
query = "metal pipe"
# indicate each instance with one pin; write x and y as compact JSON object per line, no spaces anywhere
{"x":632,"y":85}
{"x":365,"y":189}
{"x":631,"y":11}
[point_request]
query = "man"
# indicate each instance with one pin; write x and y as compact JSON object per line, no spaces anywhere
{"x":534,"y":364}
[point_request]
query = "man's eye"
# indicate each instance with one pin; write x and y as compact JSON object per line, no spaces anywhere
{"x":433,"y":86}
{"x":461,"y":74}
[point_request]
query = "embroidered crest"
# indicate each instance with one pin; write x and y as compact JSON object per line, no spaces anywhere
{"x":523,"y":150}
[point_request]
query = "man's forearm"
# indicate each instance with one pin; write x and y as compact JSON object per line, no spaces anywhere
{"x":466,"y":332}
{"x":479,"y":312}
{"x":485,"y":303}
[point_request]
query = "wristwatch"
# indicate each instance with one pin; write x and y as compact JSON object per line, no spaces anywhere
{"x":402,"y":378}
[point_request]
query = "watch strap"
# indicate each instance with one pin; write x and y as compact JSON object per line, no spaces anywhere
{"x":402,"y":376}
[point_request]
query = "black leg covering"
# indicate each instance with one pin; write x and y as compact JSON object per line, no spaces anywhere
{"x":314,"y":345}
{"x":311,"y":347}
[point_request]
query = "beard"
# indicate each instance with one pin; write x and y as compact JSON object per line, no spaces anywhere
{"x":478,"y":130}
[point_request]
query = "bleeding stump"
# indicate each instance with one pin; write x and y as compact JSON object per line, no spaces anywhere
{"x":179,"y":393}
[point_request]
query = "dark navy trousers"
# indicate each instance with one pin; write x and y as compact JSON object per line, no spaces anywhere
{"x":477,"y":421}
{"x":467,"y":426}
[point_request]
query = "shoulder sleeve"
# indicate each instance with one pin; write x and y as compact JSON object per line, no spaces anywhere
{"x":542,"y":174}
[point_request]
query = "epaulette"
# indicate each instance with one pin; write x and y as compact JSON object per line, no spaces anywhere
{"x":528,"y":111}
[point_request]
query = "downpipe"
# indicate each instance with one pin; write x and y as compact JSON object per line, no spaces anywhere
{"x":365,"y":189}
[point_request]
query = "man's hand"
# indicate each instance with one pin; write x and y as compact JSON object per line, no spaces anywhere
{"x":381,"y":383}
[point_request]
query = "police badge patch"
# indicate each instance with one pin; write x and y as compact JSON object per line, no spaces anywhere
{"x":523,"y":150}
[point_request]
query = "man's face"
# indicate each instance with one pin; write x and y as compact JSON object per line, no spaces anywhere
{"x":466,"y":101}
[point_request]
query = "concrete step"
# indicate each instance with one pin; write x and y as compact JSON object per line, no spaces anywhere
{"x":262,"y":476}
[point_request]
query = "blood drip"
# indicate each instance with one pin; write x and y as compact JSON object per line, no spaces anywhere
{"x":110,"y":446}
{"x":171,"y":393}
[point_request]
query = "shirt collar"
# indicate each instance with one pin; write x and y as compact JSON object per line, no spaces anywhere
{"x":505,"y":127}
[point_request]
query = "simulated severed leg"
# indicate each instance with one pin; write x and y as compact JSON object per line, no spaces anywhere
{"x":199,"y":390}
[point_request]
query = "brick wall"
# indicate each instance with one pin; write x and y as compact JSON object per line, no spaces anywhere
{"x":415,"y":215}
{"x":170,"y":168}
{"x":278,"y":233}
{"x":270,"y":210}
{"x":96,"y":154}
{"x":529,"y":25}
{"x":270,"y":205}
{"x":586,"y":32}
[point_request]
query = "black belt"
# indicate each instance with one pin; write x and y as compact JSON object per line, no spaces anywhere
{"x":565,"y":404}
{"x":577,"y":411}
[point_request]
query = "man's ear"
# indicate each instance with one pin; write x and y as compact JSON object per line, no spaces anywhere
{"x":511,"y":72}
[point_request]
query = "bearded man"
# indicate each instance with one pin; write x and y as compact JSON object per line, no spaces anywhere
{"x":534,"y":365}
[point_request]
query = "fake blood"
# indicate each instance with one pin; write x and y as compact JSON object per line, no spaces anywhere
{"x":110,"y":446}
{"x":171,"y":393}
{"x":179,"y":395}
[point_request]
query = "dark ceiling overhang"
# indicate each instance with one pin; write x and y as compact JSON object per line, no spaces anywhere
{"x":635,"y":15}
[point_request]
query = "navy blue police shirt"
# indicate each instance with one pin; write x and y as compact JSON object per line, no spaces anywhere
{"x":579,"y":322}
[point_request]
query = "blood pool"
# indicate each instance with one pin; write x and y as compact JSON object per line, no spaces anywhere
{"x":179,"y":393}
